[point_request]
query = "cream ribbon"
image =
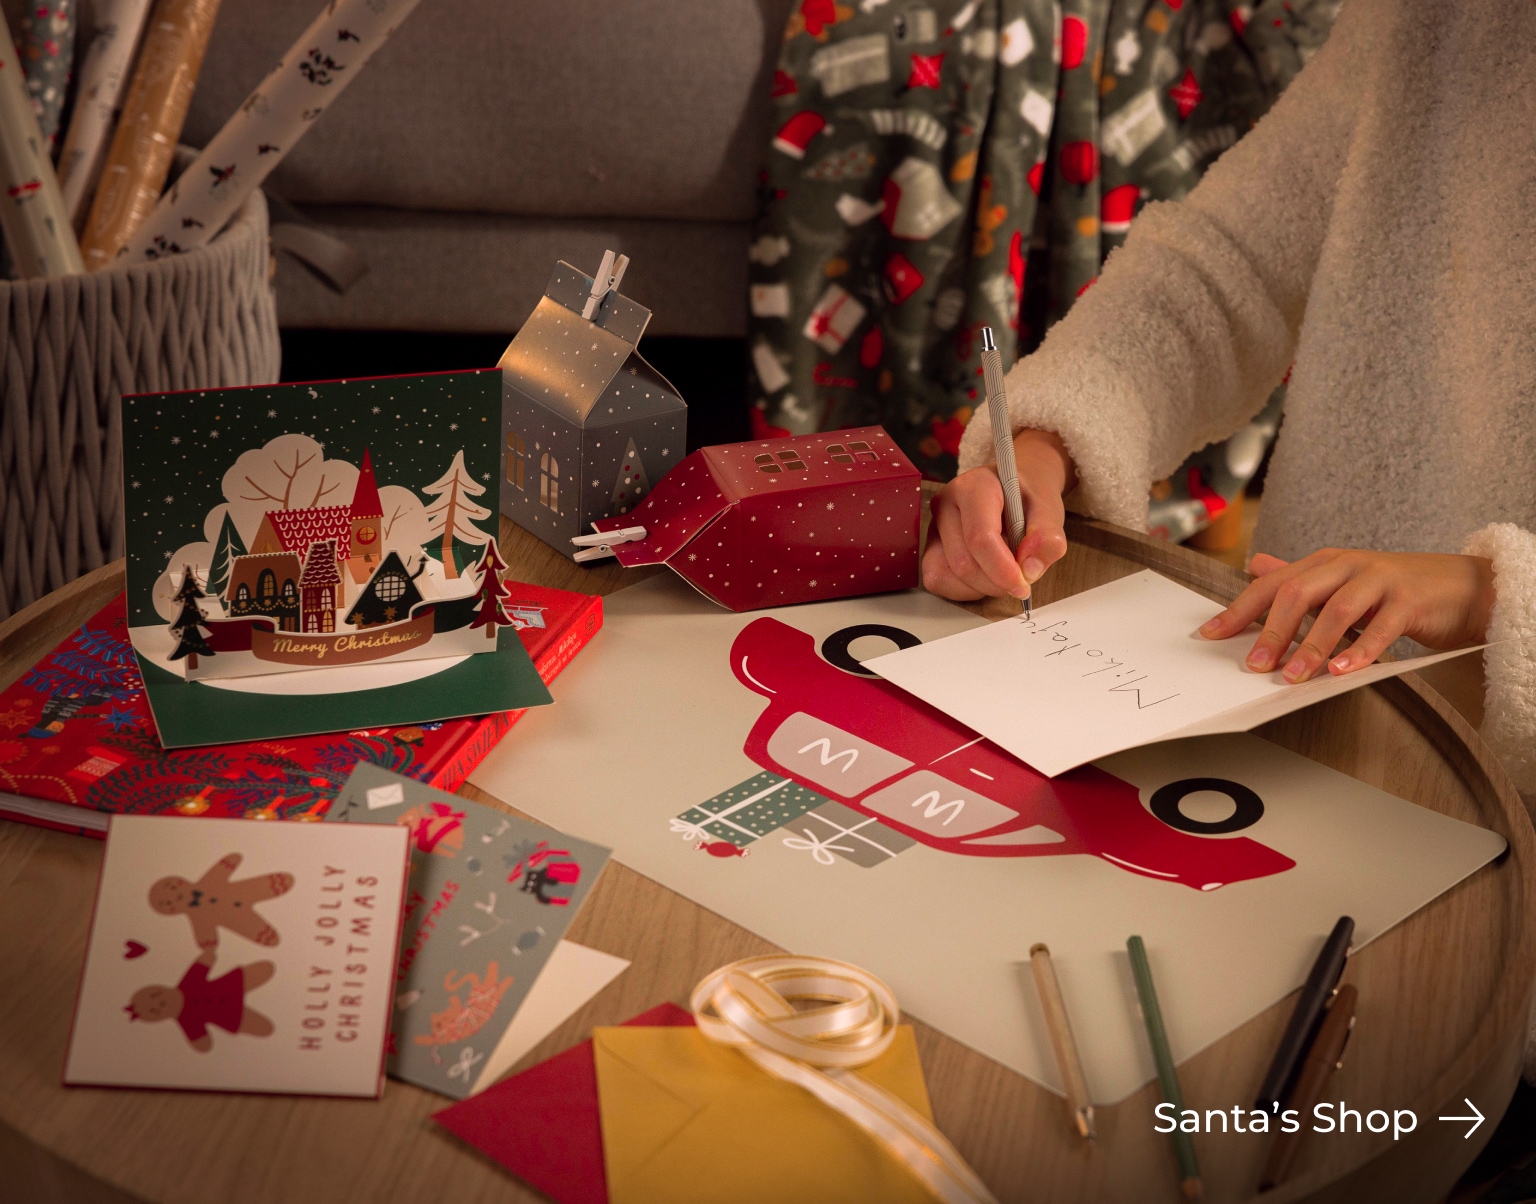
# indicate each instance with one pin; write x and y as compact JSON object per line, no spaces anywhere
{"x":850,"y":1022}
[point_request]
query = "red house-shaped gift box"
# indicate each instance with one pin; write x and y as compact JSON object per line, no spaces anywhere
{"x":780,"y":521}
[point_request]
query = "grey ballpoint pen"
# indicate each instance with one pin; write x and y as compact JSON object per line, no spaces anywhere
{"x":1002,"y":439}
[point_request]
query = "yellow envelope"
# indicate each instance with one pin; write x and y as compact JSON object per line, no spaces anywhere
{"x":689,"y":1121}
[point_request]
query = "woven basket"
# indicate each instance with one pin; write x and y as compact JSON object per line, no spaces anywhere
{"x":70,"y":348}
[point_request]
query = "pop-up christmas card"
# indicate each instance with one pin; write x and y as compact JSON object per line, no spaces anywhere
{"x":781,"y":521}
{"x":318,"y":526}
{"x":233,"y":955}
{"x":587,"y":423}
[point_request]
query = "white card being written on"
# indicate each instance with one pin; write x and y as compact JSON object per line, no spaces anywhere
{"x":1105,"y":670}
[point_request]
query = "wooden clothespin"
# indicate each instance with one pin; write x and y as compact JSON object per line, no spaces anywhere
{"x":595,"y":547}
{"x":606,"y":281}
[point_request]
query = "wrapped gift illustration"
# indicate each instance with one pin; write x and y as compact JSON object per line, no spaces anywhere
{"x":834,"y":319}
{"x":918,"y":203}
{"x":587,"y":424}
{"x":781,"y":521}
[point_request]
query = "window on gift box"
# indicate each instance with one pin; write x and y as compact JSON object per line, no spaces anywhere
{"x":517,"y":460}
{"x":863,"y":451}
{"x":549,"y":482}
{"x":792,"y":461}
{"x":765,"y":463}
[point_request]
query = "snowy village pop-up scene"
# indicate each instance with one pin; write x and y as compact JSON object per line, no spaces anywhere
{"x":587,"y":424}
{"x":313,"y":527}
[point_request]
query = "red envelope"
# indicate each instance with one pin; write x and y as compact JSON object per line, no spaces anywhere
{"x":543,"y":1125}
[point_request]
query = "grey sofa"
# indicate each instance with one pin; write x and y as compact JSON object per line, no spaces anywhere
{"x":490,"y":138}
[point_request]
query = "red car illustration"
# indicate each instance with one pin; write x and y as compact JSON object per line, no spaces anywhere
{"x":852,"y":737}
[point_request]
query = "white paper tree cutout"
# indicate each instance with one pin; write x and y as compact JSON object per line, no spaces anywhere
{"x":631,"y":484}
{"x":453,"y":515}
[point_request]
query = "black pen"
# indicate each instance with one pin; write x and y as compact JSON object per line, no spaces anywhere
{"x":1311,"y":1004}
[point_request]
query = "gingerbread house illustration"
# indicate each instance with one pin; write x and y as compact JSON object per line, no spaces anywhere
{"x":320,"y":587}
{"x":265,"y":584}
{"x":355,"y":530}
{"x":587,"y":424}
{"x":389,"y":595}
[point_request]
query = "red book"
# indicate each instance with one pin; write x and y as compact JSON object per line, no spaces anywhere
{"x":77,"y":742}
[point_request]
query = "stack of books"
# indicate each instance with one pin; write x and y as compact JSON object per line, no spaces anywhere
{"x":78,"y":742}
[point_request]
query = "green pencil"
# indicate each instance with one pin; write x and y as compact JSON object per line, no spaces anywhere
{"x":1152,"y":1014}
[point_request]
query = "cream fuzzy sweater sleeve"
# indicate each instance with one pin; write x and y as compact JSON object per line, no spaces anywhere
{"x":1365,"y":218}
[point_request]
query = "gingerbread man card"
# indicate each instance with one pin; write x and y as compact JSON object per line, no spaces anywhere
{"x":235,"y":955}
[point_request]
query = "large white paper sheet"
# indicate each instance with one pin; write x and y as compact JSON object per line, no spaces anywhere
{"x":653,"y":719}
{"x":1109,"y":669}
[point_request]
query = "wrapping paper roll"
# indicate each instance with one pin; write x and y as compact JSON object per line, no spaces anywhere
{"x":103,"y":83}
{"x":37,"y":230}
{"x":312,"y":74}
{"x":145,"y":140}
{"x":47,"y":54}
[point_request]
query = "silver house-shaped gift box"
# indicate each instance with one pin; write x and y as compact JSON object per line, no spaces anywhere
{"x":587,"y":425}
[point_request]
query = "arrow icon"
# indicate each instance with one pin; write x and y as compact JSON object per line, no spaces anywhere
{"x":1476,"y":1118}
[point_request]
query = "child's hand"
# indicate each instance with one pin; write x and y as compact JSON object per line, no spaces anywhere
{"x":967,"y":557}
{"x":1440,"y":601}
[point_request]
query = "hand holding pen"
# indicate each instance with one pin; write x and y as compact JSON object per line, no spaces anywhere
{"x":974,"y":550}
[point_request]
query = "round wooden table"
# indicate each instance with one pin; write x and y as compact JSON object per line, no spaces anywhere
{"x":1443,"y":996}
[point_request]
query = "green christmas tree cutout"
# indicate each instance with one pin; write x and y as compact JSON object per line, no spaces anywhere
{"x":631,"y":483}
{"x":229,"y":546}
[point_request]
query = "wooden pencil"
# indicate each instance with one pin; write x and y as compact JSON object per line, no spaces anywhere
{"x":1068,"y":1060}
{"x":1152,"y":1016}
{"x":145,"y":140}
{"x":37,"y":230}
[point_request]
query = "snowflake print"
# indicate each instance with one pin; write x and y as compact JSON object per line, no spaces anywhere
{"x":134,"y":484}
{"x":830,"y":506}
{"x":215,"y":435}
{"x":453,"y":426}
{"x":175,"y":438}
{"x":273,"y":413}
{"x":169,"y":499}
{"x":375,"y":409}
